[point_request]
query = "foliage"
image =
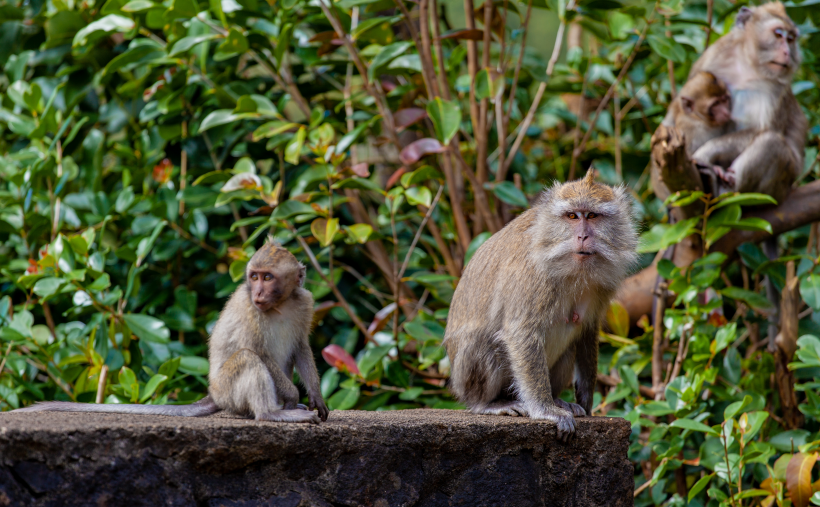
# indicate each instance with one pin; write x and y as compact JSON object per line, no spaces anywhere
{"x":150,"y":147}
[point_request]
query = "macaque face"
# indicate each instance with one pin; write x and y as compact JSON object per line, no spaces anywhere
{"x":582,"y":223}
{"x":777,"y":45}
{"x":267,"y":288}
{"x":720,"y":110}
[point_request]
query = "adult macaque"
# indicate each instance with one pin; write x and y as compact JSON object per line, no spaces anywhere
{"x":526,"y":314}
{"x":261,"y":334}
{"x":757,"y":61}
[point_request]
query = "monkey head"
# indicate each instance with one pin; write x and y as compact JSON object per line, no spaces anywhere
{"x":271,"y":276}
{"x":590,"y":227}
{"x":708,"y":98}
{"x":770,"y":40}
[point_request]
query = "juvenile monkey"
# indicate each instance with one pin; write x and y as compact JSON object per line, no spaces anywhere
{"x":261,"y":334}
{"x":527,"y":311}
{"x":702,"y":110}
{"x":757,"y":60}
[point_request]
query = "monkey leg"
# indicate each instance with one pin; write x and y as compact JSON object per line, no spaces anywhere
{"x":286,"y":392}
{"x":767,"y":166}
{"x":479,"y":376}
{"x":532,"y":381}
{"x":246,"y":387}
{"x":561,"y":375}
{"x":722,"y":151}
{"x":586,"y":368}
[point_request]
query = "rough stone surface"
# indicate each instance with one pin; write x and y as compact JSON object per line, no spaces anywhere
{"x":411,"y":457}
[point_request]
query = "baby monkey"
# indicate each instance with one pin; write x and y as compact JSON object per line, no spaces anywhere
{"x":261,"y":334}
{"x":702,"y":111}
{"x":526,"y":314}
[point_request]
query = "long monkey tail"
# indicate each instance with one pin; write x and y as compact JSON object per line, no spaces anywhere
{"x":203,"y":407}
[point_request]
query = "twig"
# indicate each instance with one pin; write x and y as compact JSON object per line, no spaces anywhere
{"x":418,"y":233}
{"x":442,"y":77}
{"x":424,"y":373}
{"x":101,"y":383}
{"x":5,"y":356}
{"x":183,"y":169}
{"x":513,"y":88}
{"x":657,"y":339}
{"x":329,"y":281}
{"x":641,"y":488}
{"x":670,"y":66}
{"x":683,"y":349}
{"x":577,"y":151}
{"x":709,"y":6}
{"x":525,"y":125}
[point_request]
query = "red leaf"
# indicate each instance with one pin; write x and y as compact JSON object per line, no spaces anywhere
{"x":406,"y":117}
{"x":380,"y":320}
{"x":338,"y":357}
{"x":417,"y":149}
{"x":388,"y":86}
{"x":394,"y":178}
{"x":360,"y":170}
{"x":321,"y":310}
{"x":798,"y":478}
{"x":466,"y":34}
{"x":162,"y":171}
{"x":324,"y":36}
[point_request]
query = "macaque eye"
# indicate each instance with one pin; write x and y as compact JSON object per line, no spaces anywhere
{"x":572,"y":216}
{"x":254,"y":277}
{"x":268,"y":277}
{"x":591,"y":215}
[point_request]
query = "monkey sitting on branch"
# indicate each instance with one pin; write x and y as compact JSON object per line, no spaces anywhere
{"x":261,"y":334}
{"x":526,"y":314}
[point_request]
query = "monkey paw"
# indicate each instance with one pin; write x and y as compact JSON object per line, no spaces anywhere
{"x":726,"y":175}
{"x":564,"y":420}
{"x":573,"y":408}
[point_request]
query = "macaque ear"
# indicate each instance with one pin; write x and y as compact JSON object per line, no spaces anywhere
{"x":687,"y":104}
{"x":743,"y":15}
{"x":302,"y":271}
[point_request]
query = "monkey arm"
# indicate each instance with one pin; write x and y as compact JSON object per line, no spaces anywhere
{"x":586,"y":364}
{"x":286,"y":392}
{"x":306,"y":367}
{"x":723,"y":150}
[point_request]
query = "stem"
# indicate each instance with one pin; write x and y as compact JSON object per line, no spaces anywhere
{"x":525,"y":125}
{"x":577,"y":151}
{"x":329,"y":281}
{"x":101,"y":383}
{"x":514,"y":86}
{"x":726,"y":457}
{"x":442,"y":77}
{"x":618,"y":162}
{"x":183,"y":169}
{"x":418,"y":233}
{"x":709,"y":5}
{"x":670,"y":67}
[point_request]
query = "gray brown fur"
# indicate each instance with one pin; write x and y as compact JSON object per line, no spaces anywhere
{"x":252,"y":354}
{"x":765,"y":152}
{"x":508,"y":338}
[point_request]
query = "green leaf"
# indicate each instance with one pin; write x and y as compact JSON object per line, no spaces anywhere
{"x":751,"y":224}
{"x":358,"y":184}
{"x":810,"y":291}
{"x":324,"y":230}
{"x":283,"y":42}
{"x":698,"y":486}
{"x":344,"y":399}
{"x":387,"y":54}
{"x":234,"y":44}
{"x":734,"y":408}
{"x":101,"y":283}
{"x":667,"y":48}
{"x":359,"y":232}
{"x":218,"y":117}
{"x":194,"y":365}
{"x":110,"y":23}
{"x":137,"y":6}
{"x":186,"y":43}
{"x":147,"y":328}
{"x":419,"y":195}
{"x":486,"y":87}
{"x":652,"y":240}
{"x":679,"y":231}
{"x":290,"y":208}
{"x":691,"y":424}
{"x":127,"y":378}
{"x":146,"y":244}
{"x":151,"y":387}
{"x":750,"y":199}
{"x":474,"y":245}
{"x":273,"y":128}
{"x":753,"y":299}
{"x":411,"y":394}
{"x":351,"y":137}
{"x":294,"y":147}
{"x":509,"y":193}
{"x":446,"y":118}
{"x":371,"y":357}
{"x":46,"y":287}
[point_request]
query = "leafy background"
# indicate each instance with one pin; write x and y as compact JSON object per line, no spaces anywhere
{"x":150,"y":147}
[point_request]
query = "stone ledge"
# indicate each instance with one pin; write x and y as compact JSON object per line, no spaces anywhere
{"x":407,"y":458}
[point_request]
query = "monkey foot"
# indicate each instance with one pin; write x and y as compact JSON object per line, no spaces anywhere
{"x":511,"y":408}
{"x":573,"y":408}
{"x":725,"y":175}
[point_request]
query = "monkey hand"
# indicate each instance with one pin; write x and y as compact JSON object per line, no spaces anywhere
{"x":726,"y":175}
{"x":316,"y":402}
{"x":563,"y":418}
